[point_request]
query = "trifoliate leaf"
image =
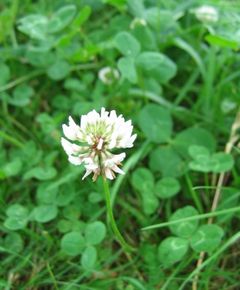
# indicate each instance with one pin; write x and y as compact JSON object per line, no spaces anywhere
{"x":167,"y":187}
{"x":185,"y":228}
{"x":172,"y":250}
{"x":72,"y":243}
{"x":156,"y":123}
{"x":207,"y":238}
{"x":95,"y":233}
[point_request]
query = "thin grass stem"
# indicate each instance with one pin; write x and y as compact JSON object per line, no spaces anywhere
{"x":192,"y":218}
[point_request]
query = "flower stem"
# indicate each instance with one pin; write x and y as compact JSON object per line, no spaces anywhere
{"x":116,"y":232}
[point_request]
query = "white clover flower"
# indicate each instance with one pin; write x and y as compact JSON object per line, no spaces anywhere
{"x":207,"y":14}
{"x":138,"y":22}
{"x":108,"y":75}
{"x":94,"y":140}
{"x":228,"y":105}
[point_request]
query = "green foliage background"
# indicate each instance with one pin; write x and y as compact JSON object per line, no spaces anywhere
{"x":179,"y":84}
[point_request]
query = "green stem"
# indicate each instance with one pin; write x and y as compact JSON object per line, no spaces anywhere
{"x":11,"y":139}
{"x":52,"y":276}
{"x":194,"y":194}
{"x":21,"y":80}
{"x":116,"y":232}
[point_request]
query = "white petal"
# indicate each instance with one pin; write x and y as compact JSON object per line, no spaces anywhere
{"x":68,"y":132}
{"x":112,"y":160}
{"x":129,"y":142}
{"x":72,"y":130}
{"x":100,"y":144}
{"x":90,"y":164}
{"x":86,"y":174}
{"x":119,"y":157}
{"x":92,"y":117}
{"x":75,"y":160}
{"x":117,"y":170}
{"x":113,"y":115}
{"x":71,"y":122}
{"x":113,"y":143}
{"x":128,"y":124}
{"x":109,"y":174}
{"x":83,"y":122}
{"x":102,"y":111}
{"x":104,"y":114}
{"x":69,"y":147}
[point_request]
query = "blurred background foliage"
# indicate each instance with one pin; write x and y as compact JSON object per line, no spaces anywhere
{"x":177,"y":77}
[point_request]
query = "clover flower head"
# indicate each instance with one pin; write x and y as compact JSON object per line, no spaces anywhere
{"x":206,"y":14}
{"x":108,"y":75}
{"x":91,"y":143}
{"x":137,"y":22}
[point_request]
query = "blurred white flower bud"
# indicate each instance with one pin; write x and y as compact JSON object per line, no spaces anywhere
{"x":108,"y":75}
{"x":206,"y":14}
{"x":137,"y":22}
{"x":228,"y":105}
